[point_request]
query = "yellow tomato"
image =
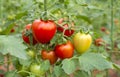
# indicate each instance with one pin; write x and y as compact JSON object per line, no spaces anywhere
{"x":82,"y":42}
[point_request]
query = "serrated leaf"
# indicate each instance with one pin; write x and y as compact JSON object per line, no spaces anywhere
{"x":45,"y":65}
{"x":12,"y":45}
{"x":11,"y":74}
{"x":1,"y":58}
{"x":90,"y":61}
{"x":58,"y":71}
{"x":26,"y":62}
{"x":84,"y":17}
{"x":68,"y":66}
{"x":81,"y":74}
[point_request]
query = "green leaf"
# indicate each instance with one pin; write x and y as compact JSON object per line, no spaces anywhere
{"x":1,"y":58}
{"x":11,"y":24}
{"x":81,"y":74}
{"x":84,"y":17}
{"x":11,"y":74}
{"x":58,"y":71}
{"x":20,"y":15}
{"x":90,"y":61}
{"x":68,"y":66}
{"x":26,"y":62}
{"x":12,"y":45}
{"x":45,"y":65}
{"x":116,"y":66}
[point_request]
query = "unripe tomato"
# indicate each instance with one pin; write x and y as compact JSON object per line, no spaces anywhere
{"x":31,"y":53}
{"x":82,"y":42}
{"x":35,"y":69}
{"x":68,"y":32}
{"x":43,"y":31}
{"x":51,"y":56}
{"x":25,"y":37}
{"x":64,"y":50}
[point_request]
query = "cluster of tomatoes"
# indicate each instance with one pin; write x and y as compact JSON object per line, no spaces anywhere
{"x":43,"y":31}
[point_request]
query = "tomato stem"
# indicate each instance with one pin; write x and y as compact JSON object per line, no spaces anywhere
{"x":111,"y":25}
{"x":8,"y":63}
{"x":45,"y":9}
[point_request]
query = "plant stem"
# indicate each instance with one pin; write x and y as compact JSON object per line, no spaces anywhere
{"x":8,"y":63}
{"x":45,"y":9}
{"x":111,"y":36}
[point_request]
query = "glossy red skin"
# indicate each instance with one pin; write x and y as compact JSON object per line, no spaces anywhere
{"x":98,"y":42}
{"x":68,"y":32}
{"x":26,"y":38}
{"x":64,"y":50}
{"x":43,"y":31}
{"x":51,"y":56}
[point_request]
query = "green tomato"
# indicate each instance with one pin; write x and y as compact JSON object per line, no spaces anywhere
{"x":35,"y":69}
{"x":31,"y":53}
{"x":82,"y":42}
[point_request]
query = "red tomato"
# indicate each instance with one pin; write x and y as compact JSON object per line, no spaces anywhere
{"x":12,"y":30}
{"x":64,"y":50}
{"x":103,"y":29}
{"x":51,"y":56}
{"x":25,"y":37}
{"x":68,"y":32}
{"x":99,"y":42}
{"x":43,"y":31}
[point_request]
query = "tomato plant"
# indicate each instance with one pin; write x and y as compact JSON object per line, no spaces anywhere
{"x":82,"y":42}
{"x":26,"y":35}
{"x":51,"y":56}
{"x":64,"y":50}
{"x":43,"y":31}
{"x":52,"y":46}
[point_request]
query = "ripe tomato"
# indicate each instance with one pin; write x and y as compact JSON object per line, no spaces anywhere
{"x":98,"y":42}
{"x":25,"y":37}
{"x":103,"y":29}
{"x":35,"y":69}
{"x":82,"y":42}
{"x":51,"y":56}
{"x":43,"y":31}
{"x":31,"y":53}
{"x":64,"y":50}
{"x":12,"y":30}
{"x":68,"y":32}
